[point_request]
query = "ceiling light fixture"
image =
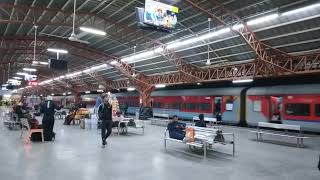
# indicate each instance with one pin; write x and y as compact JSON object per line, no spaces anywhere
{"x":87,"y":92}
{"x":303,"y":9}
{"x":16,"y":77}
{"x":21,"y":73}
{"x":43,"y":63}
{"x":62,"y":51}
{"x":263,"y":19}
{"x":131,"y":89}
{"x":29,"y":69}
{"x":93,"y":31}
{"x":242,"y":81}
{"x":160,"y":85}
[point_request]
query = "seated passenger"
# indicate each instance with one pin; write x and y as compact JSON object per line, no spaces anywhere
{"x":176,"y":129}
{"x":201,"y":122}
{"x":70,"y":117}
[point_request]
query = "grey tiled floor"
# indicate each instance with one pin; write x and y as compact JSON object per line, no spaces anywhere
{"x":77,"y":155}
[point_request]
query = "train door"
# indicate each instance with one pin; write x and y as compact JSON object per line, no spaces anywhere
{"x":217,"y":105}
{"x":275,"y":108}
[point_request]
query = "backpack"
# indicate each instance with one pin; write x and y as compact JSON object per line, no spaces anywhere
{"x":219,"y":137}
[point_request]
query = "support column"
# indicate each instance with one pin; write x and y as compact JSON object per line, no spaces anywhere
{"x":145,"y":95}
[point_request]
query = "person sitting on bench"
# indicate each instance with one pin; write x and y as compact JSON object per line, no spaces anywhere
{"x":201,"y":122}
{"x":176,"y":129}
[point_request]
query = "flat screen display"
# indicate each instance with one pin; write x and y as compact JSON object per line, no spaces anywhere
{"x":160,"y":14}
{"x":58,"y":64}
{"x":229,"y":107}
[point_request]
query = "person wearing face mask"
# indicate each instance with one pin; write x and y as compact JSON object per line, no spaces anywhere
{"x":105,"y":116}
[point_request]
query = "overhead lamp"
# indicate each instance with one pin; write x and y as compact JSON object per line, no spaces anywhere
{"x":131,"y":89}
{"x":303,"y":9}
{"x":198,"y":84}
{"x":242,"y":81}
{"x":57,"y":78}
{"x":21,"y":73}
{"x":52,"y":94}
{"x":109,"y":93}
{"x":87,"y":92}
{"x":114,"y":62}
{"x":237,"y":26}
{"x":64,"y":94}
{"x":43,"y":63}
{"x":41,"y":95}
{"x":61,"y":77}
{"x":16,"y":77}
{"x":263,"y":19}
{"x":73,"y":74}
{"x":93,"y":31}
{"x":99,"y":90}
{"x":29,"y":69}
{"x":160,"y":85}
{"x":62,"y":51}
{"x":199,"y":38}
{"x":35,"y":62}
{"x":69,"y":92}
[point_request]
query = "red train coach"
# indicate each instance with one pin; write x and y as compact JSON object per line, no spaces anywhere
{"x":290,"y":104}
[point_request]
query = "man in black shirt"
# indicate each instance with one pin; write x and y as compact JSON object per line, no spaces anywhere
{"x":176,"y":129}
{"x":105,"y":115}
{"x":48,"y":110}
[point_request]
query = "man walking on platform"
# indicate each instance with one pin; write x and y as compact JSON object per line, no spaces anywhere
{"x":105,"y":116}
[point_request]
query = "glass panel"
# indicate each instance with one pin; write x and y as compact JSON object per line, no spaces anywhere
{"x":190,"y":106}
{"x":204,"y":107}
{"x":297,"y":109}
{"x":317,"y":110}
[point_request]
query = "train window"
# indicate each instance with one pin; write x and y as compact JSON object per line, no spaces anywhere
{"x":317,"y":110}
{"x":257,"y":106}
{"x":190,"y":106}
{"x":157,"y":105}
{"x":175,"y":106}
{"x":297,"y":109}
{"x":204,"y":107}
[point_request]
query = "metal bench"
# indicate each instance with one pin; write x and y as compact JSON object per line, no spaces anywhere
{"x":212,"y":121}
{"x":205,"y":139}
{"x":13,"y":121}
{"x":285,"y":127}
{"x":162,"y":120}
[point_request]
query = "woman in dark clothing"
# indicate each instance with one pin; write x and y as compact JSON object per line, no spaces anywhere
{"x":105,"y":116}
{"x":176,"y":129}
{"x":48,"y":109}
{"x":201,"y":122}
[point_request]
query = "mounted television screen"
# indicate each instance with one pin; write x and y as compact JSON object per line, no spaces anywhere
{"x":58,"y":64}
{"x":160,"y":14}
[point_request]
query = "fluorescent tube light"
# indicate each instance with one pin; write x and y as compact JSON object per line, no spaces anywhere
{"x":16,"y":77}
{"x":160,"y":85}
{"x":58,"y":50}
{"x":114,"y":62}
{"x":52,"y":94}
{"x":43,"y":63}
{"x":262,"y":19}
{"x":99,"y":90}
{"x":30,"y":69}
{"x":87,"y":92}
{"x":199,"y":38}
{"x":93,"y":31}
{"x":64,"y":94}
{"x":303,"y":9}
{"x":131,"y":89}
{"x":21,"y":73}
{"x":242,"y":81}
{"x":69,"y":92}
{"x":237,"y":26}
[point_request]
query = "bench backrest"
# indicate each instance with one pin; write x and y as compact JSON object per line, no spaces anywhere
{"x":161,"y":115}
{"x":279,"y":126}
{"x":195,"y":118}
{"x":202,"y":131}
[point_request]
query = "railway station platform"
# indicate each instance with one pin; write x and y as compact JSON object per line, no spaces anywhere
{"x":76,"y":154}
